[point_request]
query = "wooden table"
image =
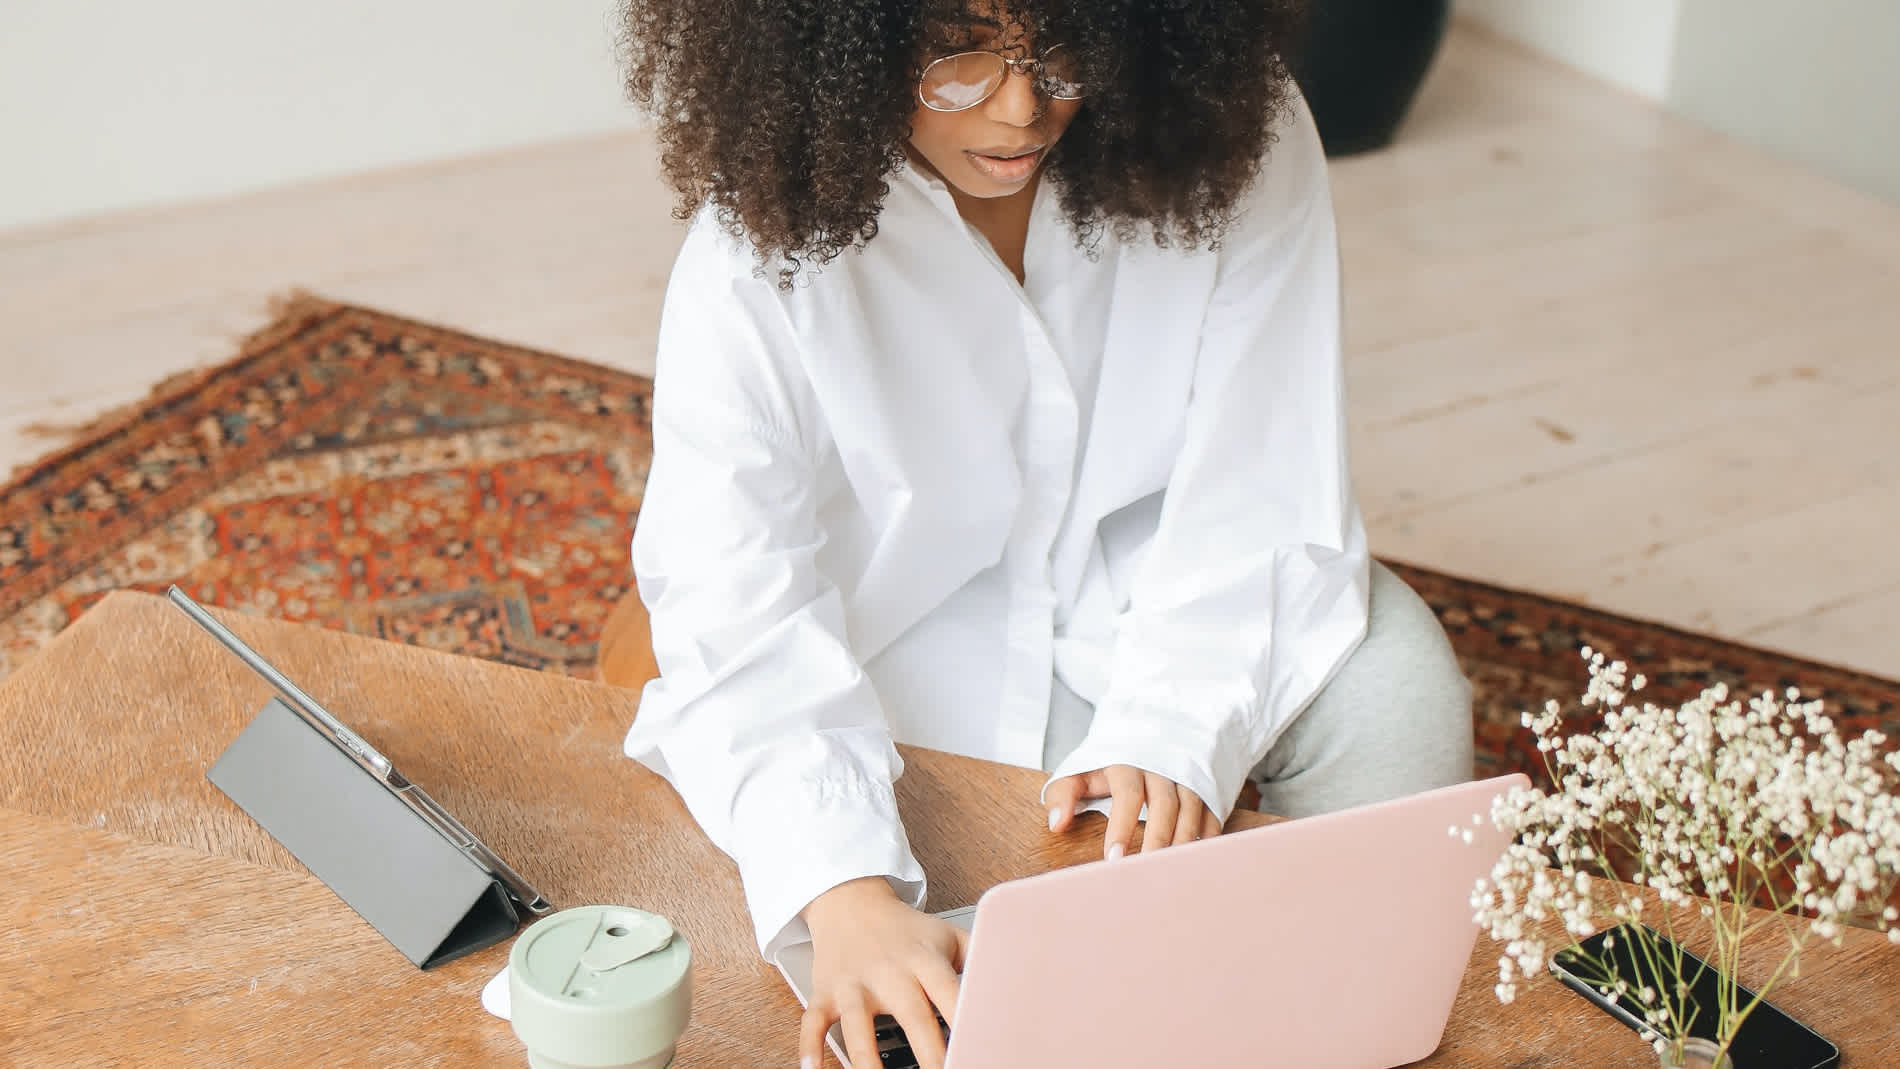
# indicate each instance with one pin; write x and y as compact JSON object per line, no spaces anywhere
{"x":154,"y":923}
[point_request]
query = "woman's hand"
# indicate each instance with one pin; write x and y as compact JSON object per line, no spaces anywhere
{"x":1175,"y":814}
{"x":873,"y":954}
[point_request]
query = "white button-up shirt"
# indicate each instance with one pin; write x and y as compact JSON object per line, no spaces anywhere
{"x":894,"y":502}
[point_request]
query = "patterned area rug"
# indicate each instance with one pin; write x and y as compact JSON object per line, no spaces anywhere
{"x":360,"y":471}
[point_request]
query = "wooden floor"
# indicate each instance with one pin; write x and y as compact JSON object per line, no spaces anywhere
{"x":1593,"y":350}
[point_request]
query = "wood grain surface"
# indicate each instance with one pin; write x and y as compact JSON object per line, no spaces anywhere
{"x":132,"y":953}
{"x":156,"y":924}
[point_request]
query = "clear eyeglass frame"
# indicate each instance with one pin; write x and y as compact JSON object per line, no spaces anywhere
{"x":1000,"y":67}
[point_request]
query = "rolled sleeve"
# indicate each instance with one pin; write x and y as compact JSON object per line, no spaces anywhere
{"x":797,"y":841}
{"x":761,"y":717}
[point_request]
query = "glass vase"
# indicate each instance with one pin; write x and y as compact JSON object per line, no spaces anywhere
{"x":1694,"y":1053}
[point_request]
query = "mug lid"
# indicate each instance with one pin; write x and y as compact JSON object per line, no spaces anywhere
{"x":604,"y":983}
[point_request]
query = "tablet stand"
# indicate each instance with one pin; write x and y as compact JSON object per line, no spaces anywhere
{"x":429,"y":899}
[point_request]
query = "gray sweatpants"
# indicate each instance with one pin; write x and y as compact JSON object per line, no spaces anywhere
{"x":1395,"y":720}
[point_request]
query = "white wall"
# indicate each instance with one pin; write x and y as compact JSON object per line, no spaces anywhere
{"x":113,"y":104}
{"x":1624,"y":42}
{"x":1817,"y":82}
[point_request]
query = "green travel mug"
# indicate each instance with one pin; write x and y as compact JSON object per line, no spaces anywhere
{"x":600,"y":987}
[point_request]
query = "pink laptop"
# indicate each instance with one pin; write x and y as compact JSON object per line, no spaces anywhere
{"x":1331,"y":942}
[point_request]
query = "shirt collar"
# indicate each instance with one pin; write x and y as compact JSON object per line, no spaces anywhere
{"x":908,"y":171}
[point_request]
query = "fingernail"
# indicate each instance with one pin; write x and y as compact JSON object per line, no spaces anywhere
{"x":1115,"y":851}
{"x":808,"y":1062}
{"x":1055,"y":817}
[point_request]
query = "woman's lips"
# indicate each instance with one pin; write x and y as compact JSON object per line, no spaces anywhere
{"x":1007,"y":170}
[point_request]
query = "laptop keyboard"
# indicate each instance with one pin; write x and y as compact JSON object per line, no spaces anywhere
{"x":893,"y":1047}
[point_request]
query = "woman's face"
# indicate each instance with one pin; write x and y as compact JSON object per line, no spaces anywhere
{"x":995,"y":148}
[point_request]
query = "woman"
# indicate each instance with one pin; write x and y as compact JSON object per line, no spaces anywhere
{"x":998,"y":410}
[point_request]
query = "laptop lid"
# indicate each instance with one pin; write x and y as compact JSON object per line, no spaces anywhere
{"x":1332,"y":941}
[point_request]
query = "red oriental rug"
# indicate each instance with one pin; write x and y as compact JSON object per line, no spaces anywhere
{"x":361,"y":471}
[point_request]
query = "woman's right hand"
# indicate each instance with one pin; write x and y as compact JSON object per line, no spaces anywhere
{"x":872,"y":954}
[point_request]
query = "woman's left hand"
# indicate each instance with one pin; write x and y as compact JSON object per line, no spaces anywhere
{"x":1175,"y":814}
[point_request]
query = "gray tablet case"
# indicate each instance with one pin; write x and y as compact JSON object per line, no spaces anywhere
{"x":427,"y":897}
{"x":387,"y":849}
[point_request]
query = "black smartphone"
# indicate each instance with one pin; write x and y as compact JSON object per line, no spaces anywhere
{"x":1767,"y":1037}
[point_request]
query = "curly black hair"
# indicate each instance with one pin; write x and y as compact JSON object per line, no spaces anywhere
{"x":789,"y":116}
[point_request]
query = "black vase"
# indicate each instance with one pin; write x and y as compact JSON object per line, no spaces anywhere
{"x":1362,"y":63}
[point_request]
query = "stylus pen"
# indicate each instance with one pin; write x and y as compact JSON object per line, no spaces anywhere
{"x":365,"y":755}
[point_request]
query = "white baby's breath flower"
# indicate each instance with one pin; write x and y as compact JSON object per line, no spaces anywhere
{"x":1717,"y":797}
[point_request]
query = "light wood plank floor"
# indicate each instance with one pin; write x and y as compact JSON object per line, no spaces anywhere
{"x":1594,"y":351}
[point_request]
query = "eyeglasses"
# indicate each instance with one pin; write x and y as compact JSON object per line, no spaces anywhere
{"x":964,"y":80}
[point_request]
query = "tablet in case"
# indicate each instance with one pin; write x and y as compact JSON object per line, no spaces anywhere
{"x":388,"y":850}
{"x":428,"y":898}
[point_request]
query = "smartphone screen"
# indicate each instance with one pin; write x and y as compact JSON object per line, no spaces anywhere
{"x":1767,"y":1037}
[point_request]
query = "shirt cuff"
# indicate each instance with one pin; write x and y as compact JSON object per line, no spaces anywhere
{"x":801,"y":842}
{"x":1210,"y":758}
